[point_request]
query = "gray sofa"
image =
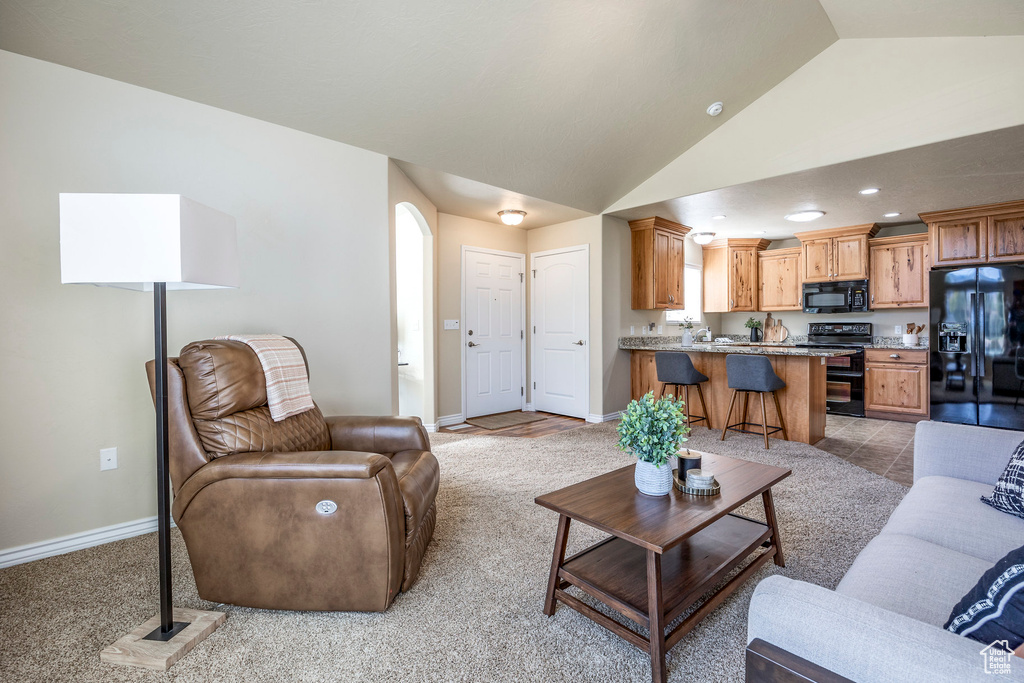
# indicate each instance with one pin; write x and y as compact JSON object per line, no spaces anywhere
{"x":883,"y":622}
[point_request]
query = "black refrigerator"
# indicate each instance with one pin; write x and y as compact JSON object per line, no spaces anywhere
{"x":976,"y":333}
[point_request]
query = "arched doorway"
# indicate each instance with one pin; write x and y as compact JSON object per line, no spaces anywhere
{"x":414,"y":312}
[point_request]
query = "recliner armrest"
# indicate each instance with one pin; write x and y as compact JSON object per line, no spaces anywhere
{"x":297,"y":465}
{"x":374,"y":434}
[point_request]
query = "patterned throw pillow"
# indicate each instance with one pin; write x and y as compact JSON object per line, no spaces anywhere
{"x":994,"y":609}
{"x":1008,"y":495}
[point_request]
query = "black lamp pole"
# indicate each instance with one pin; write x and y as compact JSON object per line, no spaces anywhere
{"x":168,"y":627}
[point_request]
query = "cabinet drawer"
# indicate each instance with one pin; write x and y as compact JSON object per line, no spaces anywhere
{"x":909,"y":356}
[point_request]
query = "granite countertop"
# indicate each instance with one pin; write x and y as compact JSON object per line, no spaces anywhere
{"x":660,"y":342}
{"x":897,"y":346}
{"x":760,"y":350}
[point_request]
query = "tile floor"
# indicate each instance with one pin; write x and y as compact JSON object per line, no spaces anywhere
{"x":882,"y":446}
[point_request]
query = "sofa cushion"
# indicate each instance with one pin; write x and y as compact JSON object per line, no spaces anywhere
{"x":255,"y":431}
{"x":1008,"y":495}
{"x":909,"y":576}
{"x":949,"y":512}
{"x":994,"y":609}
{"x":222,"y":377}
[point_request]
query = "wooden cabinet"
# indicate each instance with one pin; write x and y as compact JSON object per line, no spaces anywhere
{"x":657,"y":263}
{"x":779,"y":287}
{"x":896,"y":384}
{"x":899,"y":271}
{"x":730,"y":275}
{"x":991,"y":233}
{"x":836,"y":253}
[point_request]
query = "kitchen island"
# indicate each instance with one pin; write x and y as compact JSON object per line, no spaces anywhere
{"x":802,"y":369}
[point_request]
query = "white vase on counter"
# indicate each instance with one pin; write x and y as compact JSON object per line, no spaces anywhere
{"x":687,"y":337}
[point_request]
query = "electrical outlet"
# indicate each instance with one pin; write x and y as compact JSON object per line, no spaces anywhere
{"x":108,"y":459}
{"x":451,"y":324}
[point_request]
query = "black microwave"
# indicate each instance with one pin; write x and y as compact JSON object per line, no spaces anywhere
{"x":849,"y":296}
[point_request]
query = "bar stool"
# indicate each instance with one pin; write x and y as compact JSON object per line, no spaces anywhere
{"x":676,"y":369}
{"x":753,"y":374}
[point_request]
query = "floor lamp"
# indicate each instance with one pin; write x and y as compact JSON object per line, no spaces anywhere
{"x":151,"y":242}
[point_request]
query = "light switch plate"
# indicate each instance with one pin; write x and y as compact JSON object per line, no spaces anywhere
{"x":108,"y":459}
{"x":451,"y":324}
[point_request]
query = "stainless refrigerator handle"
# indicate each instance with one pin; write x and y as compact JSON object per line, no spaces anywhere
{"x":974,"y":338}
{"x":981,"y":333}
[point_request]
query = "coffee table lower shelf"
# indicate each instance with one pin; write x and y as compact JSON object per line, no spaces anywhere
{"x":616,"y":572}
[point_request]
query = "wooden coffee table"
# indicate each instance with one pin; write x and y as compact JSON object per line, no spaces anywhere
{"x":665,"y":552}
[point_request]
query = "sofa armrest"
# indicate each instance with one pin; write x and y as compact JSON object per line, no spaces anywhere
{"x":298,"y":465}
{"x":859,"y":640}
{"x":962,"y":451}
{"x":377,"y":434}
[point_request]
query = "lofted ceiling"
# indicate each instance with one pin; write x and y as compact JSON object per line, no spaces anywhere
{"x":561,"y":107}
{"x":968,"y":171}
{"x":574,"y":102}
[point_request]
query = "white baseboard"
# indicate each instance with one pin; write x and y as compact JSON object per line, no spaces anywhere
{"x":529,"y":408}
{"x":610,"y":417}
{"x":448,"y":420}
{"x":86,"y":539}
{"x":431,"y":428}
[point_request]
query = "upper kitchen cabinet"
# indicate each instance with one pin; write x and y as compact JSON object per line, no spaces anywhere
{"x":780,"y":280}
{"x":730,"y":275}
{"x":836,"y":253}
{"x":657,"y":263}
{"x":979,"y":234}
{"x":899,"y":271}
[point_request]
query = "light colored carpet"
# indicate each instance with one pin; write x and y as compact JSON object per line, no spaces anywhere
{"x":474,"y":615}
{"x":502,"y":420}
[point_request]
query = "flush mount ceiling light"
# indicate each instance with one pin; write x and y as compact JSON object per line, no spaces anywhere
{"x":869,"y":190}
{"x":703,"y":237}
{"x":891,"y":214}
{"x":804,"y":216}
{"x":511,"y":216}
{"x":718,"y":217}
{"x":715,"y":109}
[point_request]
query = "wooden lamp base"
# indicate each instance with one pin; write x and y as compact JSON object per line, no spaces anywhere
{"x":132,"y":650}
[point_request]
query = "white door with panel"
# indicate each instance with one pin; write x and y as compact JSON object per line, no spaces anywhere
{"x":493,"y":332}
{"x":561,"y":331}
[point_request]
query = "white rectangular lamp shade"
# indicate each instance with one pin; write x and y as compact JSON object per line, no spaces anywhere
{"x":134,"y":240}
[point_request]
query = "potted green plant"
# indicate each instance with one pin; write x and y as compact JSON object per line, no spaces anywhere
{"x":755,"y":328}
{"x":652,"y":430}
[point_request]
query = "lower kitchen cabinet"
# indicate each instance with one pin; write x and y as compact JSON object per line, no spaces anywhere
{"x":896,"y":384}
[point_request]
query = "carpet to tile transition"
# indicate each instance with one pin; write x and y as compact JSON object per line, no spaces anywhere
{"x":475,"y":613}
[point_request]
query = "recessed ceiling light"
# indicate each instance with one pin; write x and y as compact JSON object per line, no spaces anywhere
{"x":891,"y":214}
{"x":869,"y":190}
{"x":804,"y":216}
{"x":511,"y":216}
{"x":703,"y":237}
{"x":718,"y":217}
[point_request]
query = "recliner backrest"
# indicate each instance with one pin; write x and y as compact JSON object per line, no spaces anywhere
{"x":227,"y":396}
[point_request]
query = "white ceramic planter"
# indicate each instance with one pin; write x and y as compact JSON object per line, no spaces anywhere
{"x":687,"y":337}
{"x":651,"y":480}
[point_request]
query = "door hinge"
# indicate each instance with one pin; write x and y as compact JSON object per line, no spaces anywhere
{"x":522,"y":391}
{"x":520,"y":277}
{"x":535,"y":329}
{"x":534,"y":385}
{"x":521,"y":335}
{"x":534,"y":273}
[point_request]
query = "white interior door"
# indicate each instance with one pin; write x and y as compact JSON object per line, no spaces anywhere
{"x":493,"y":332}
{"x":561,"y":341}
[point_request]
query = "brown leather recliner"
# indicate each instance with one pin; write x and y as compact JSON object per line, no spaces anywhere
{"x":246,"y":491}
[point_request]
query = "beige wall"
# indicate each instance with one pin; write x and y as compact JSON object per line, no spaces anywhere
{"x":312,"y":219}
{"x":857,"y":98}
{"x":453,"y":233}
{"x":401,"y":190}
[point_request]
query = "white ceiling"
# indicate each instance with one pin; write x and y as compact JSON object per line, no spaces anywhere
{"x":979,"y":169}
{"x":574,"y":102}
{"x":550,"y":104}
{"x":472,"y":199}
{"x":925,"y":18}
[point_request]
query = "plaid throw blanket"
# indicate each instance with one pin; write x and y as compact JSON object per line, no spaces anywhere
{"x":287,"y":381}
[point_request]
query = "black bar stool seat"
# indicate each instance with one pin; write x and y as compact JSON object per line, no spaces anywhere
{"x":676,"y":369}
{"x":752,"y":374}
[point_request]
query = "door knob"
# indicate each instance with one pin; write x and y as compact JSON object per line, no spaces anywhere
{"x":579,"y":343}
{"x":472,"y":344}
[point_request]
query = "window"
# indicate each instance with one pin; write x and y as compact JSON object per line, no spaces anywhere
{"x":693,"y":294}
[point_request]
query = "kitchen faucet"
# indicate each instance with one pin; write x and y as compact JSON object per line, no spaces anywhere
{"x":696,"y":335}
